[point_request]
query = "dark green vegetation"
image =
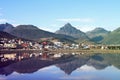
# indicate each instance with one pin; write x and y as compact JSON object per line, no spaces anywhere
{"x":67,"y":33}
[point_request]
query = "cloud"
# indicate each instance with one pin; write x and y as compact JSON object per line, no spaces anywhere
{"x":15,"y":24}
{"x":46,"y":29}
{"x":3,"y":20}
{"x":46,"y":69}
{"x":85,"y":28}
{"x":53,"y":25}
{"x":6,"y":20}
{"x":87,"y":20}
{"x":51,"y":28}
{"x":86,"y":68}
{"x":83,"y":77}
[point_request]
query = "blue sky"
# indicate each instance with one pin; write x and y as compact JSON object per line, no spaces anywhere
{"x":50,"y":15}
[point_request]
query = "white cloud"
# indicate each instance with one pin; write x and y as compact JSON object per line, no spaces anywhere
{"x":53,"y":25}
{"x":15,"y":24}
{"x":46,"y":29}
{"x":86,"y":68}
{"x":51,"y":28}
{"x":83,"y":77}
{"x":86,"y":20}
{"x":6,"y":20}
{"x":3,"y":20}
{"x":46,"y":69}
{"x":85,"y":28}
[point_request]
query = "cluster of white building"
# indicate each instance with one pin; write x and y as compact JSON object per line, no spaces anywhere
{"x":46,"y":44}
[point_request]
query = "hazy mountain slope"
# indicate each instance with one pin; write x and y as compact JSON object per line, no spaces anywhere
{"x":97,"y":34}
{"x":112,"y":38}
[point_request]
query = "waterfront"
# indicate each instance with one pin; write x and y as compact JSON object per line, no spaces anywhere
{"x":41,"y":66}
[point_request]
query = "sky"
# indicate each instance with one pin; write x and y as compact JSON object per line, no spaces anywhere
{"x":50,"y":15}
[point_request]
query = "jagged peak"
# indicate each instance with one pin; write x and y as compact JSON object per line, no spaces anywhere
{"x":68,"y":26}
{"x":69,"y":30}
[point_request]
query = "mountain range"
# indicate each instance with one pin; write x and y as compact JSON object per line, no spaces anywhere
{"x":66,"y":33}
{"x":32,"y":32}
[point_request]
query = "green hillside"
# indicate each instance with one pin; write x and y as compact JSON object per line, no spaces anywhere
{"x":112,"y":38}
{"x":97,"y":34}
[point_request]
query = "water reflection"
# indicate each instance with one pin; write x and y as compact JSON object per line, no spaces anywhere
{"x":28,"y":62}
{"x":33,"y":62}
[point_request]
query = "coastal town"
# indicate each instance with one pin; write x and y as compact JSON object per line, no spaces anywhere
{"x":48,"y":44}
{"x":43,"y":44}
{"x":21,"y":49}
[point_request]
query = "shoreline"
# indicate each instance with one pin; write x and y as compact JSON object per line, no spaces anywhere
{"x":60,"y":51}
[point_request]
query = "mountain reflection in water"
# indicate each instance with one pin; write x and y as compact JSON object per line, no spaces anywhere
{"x":30,"y":63}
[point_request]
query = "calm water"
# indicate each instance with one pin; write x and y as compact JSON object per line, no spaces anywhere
{"x":29,"y":66}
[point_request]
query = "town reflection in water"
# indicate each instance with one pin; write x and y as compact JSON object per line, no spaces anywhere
{"x":30,"y":63}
